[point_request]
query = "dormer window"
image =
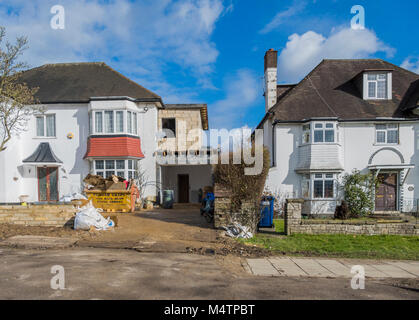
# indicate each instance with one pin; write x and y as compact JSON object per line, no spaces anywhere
{"x":377,"y":85}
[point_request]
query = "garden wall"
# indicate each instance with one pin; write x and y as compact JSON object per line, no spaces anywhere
{"x":38,"y":215}
{"x":222,"y":209}
{"x":295,"y":224}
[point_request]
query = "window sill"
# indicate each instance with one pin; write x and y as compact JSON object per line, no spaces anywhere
{"x":42,"y":138}
{"x":320,"y":144}
{"x":385,"y":144}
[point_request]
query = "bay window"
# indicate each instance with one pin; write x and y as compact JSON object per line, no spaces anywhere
{"x":386,"y":133}
{"x":119,"y":121}
{"x":126,"y":169}
{"x":306,"y":133}
{"x":110,"y":122}
{"x":323,"y":186}
{"x":99,"y":122}
{"x":324,"y":132}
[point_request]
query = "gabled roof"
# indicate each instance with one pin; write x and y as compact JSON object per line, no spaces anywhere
{"x":43,"y":154}
{"x":78,"y":82}
{"x":330,"y":90}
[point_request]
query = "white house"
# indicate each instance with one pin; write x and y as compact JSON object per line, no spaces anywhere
{"x":344,"y":115}
{"x":95,"y":121}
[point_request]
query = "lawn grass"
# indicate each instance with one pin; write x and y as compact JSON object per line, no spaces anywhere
{"x":340,"y":245}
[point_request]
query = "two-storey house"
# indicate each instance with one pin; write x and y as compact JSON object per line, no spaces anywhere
{"x":358,"y":114}
{"x":96,"y":121}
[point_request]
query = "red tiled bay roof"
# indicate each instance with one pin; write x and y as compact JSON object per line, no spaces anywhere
{"x":114,"y":147}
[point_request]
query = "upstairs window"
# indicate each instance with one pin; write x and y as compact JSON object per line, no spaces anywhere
{"x":377,"y":85}
{"x":324,"y":132}
{"x":169,"y":127}
{"x":323,"y":186}
{"x":306,"y":133}
{"x":387,"y":133}
{"x":110,"y":122}
{"x":45,"y":125}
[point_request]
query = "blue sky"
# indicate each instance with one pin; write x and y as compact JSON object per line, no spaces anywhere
{"x":211,"y":51}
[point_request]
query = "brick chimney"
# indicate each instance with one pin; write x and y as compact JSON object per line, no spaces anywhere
{"x":271,"y":65}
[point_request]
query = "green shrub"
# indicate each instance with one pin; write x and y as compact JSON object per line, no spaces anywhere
{"x":359,"y":192}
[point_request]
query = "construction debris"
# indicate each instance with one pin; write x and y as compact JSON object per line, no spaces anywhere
{"x":236,"y":230}
{"x":88,"y":217}
{"x":94,"y":182}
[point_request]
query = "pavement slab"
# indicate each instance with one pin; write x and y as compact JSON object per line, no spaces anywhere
{"x":331,"y":268}
{"x":411,"y":268}
{"x":312,"y":267}
{"x":394,"y":271}
{"x":336,"y":267}
{"x":287,"y":267}
{"x":262,"y":267}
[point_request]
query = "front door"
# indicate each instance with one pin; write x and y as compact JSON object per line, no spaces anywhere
{"x":48,"y":184}
{"x":386,"y":193}
{"x":183,"y":188}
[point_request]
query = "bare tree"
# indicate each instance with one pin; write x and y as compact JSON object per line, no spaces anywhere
{"x":17,"y":101}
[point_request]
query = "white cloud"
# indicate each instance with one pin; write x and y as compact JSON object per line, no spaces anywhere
{"x":411,"y":63}
{"x":140,"y":39}
{"x":282,"y":16}
{"x":303,"y":52}
{"x":242,"y":91}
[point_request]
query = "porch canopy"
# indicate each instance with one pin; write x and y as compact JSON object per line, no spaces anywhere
{"x":43,"y":155}
{"x":396,"y":167}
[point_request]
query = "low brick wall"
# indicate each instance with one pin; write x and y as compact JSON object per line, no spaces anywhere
{"x":294,"y":224}
{"x":34,"y":215}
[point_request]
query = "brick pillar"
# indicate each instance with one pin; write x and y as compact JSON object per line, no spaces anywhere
{"x":292,"y":216}
{"x":222,"y":205}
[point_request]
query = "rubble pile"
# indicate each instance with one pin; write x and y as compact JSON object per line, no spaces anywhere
{"x":94,"y":182}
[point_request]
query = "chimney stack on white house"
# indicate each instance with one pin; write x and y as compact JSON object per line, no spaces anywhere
{"x":271,"y":65}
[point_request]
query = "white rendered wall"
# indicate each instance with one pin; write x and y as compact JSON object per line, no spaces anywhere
{"x":200,"y":176}
{"x":357,"y":141}
{"x":21,"y":179}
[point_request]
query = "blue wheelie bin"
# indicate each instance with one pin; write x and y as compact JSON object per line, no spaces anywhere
{"x":267,"y":212}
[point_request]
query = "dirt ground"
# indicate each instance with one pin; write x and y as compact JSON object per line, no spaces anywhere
{"x":181,"y":230}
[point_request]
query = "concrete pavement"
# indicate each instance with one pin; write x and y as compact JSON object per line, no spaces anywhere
{"x":92,"y":273}
{"x":330,"y":268}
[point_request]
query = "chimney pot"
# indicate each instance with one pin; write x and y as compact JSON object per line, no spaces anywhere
{"x":271,"y":59}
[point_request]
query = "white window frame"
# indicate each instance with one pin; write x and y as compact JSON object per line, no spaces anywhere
{"x":325,"y":176}
{"x":133,"y":127}
{"x":387,"y":81}
{"x":306,"y":138}
{"x":44,"y":117}
{"x":129,"y":173}
{"x":324,"y":129}
{"x":386,"y":130}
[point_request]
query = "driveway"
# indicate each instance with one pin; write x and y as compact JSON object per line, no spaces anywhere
{"x":91,"y":273}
